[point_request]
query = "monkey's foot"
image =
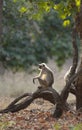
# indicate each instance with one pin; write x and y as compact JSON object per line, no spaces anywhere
{"x":39,"y":87}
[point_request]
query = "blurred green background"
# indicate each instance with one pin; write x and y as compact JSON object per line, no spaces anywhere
{"x":30,"y":38}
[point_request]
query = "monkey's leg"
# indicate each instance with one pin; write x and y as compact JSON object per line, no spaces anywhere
{"x":40,"y":87}
{"x":43,"y":83}
{"x":34,"y":80}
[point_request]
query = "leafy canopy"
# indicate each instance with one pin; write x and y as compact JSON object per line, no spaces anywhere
{"x":33,"y":31}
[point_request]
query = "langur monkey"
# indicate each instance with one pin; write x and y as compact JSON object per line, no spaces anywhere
{"x":45,"y":77}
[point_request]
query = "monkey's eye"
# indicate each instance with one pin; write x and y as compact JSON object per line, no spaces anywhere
{"x":43,"y":65}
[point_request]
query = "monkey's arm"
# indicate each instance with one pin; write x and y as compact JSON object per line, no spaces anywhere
{"x":35,"y":78}
{"x":52,"y":79}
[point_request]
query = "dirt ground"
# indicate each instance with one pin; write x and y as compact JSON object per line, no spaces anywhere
{"x":39,"y":116}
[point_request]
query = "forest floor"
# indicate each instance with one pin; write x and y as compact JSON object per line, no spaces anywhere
{"x":38,"y":116}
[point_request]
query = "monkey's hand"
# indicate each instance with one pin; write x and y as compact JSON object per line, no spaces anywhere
{"x":34,"y":80}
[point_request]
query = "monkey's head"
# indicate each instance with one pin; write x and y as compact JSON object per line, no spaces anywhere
{"x":42,"y":66}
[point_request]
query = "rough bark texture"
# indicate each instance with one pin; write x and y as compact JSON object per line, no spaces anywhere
{"x":68,"y":87}
{"x":79,"y":78}
{"x":79,"y":89}
{"x":71,"y":77}
{"x":48,"y":94}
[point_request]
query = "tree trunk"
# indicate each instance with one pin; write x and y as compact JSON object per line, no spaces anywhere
{"x":79,"y":89}
{"x":1,"y":6}
{"x":79,"y":79}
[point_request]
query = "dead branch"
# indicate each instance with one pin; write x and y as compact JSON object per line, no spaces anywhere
{"x":65,"y":92}
{"x":68,"y":87}
{"x":19,"y":98}
{"x":49,"y":94}
{"x":73,"y":91}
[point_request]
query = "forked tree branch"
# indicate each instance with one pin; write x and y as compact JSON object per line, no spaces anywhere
{"x":48,"y":94}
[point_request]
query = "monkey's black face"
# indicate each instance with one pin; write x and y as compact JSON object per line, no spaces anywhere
{"x":41,"y":66}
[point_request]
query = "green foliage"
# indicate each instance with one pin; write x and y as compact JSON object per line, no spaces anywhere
{"x":77,"y":127}
{"x":59,"y":37}
{"x":4,"y":125}
{"x":57,"y":126}
{"x":27,"y":41}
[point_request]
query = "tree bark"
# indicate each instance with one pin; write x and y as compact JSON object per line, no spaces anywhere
{"x":72,"y":75}
{"x":49,"y":94}
{"x":79,"y":89}
{"x":79,"y":78}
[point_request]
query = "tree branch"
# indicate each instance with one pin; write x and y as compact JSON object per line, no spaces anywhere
{"x":73,"y":91}
{"x":49,"y":94}
{"x":67,"y":88}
